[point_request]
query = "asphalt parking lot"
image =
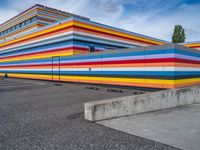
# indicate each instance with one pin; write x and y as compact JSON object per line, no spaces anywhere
{"x":40,"y":115}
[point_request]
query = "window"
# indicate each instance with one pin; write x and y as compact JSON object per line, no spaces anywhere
{"x":34,"y":19}
{"x":17,"y":26}
{"x":22,"y":24}
{"x":91,"y":49}
{"x":27,"y":21}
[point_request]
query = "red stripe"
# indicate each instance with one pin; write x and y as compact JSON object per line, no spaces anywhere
{"x":37,"y":36}
{"x":49,"y":51}
{"x":120,"y":62}
{"x":194,"y":46}
{"x":141,"y":41}
{"x":113,"y":62}
{"x":72,"y":26}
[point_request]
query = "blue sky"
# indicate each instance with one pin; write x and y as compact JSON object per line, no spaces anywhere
{"x":155,"y":18}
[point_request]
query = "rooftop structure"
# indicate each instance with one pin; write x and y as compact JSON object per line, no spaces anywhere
{"x":31,"y":19}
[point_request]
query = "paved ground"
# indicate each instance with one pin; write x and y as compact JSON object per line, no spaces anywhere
{"x":39,"y":115}
{"x":179,"y":126}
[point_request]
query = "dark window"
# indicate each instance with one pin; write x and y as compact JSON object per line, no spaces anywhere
{"x":22,"y":24}
{"x":17,"y":26}
{"x":91,"y":49}
{"x":34,"y":19}
{"x":27,"y":21}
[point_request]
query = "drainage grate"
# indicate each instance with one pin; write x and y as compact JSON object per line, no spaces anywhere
{"x":115,"y":90}
{"x":58,"y":84}
{"x":92,"y":88}
{"x":138,"y":92}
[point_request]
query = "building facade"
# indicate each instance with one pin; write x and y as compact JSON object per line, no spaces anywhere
{"x":75,"y":49}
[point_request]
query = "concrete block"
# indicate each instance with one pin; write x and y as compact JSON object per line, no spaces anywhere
{"x":129,"y":105}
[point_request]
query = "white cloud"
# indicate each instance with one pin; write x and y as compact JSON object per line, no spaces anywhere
{"x":5,"y":14}
{"x":153,"y":19}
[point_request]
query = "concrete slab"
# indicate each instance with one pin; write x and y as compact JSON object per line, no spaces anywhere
{"x":141,"y":103}
{"x":178,"y":127}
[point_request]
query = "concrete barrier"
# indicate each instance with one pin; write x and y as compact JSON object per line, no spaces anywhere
{"x":129,"y":105}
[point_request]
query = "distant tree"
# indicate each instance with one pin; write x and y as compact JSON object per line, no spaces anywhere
{"x":178,"y":35}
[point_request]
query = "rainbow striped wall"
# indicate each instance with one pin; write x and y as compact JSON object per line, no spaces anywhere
{"x":166,"y":66}
{"x":60,"y":52}
{"x":72,"y":36}
{"x":75,"y":35}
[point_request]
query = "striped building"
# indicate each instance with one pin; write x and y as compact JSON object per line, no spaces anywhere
{"x":75,"y":49}
{"x":31,"y":19}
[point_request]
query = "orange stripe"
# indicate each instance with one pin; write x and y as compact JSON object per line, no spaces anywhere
{"x":40,"y":37}
{"x":42,"y":32}
{"x":110,"y":36}
{"x":123,"y":33}
{"x":186,"y":84}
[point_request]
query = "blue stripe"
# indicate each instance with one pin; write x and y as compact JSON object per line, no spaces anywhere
{"x":146,"y":73}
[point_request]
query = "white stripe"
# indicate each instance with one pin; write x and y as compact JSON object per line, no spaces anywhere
{"x":121,"y":58}
{"x":106,"y":38}
{"x":115,"y":69}
{"x":39,"y":40}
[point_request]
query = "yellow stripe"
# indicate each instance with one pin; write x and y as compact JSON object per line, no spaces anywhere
{"x":191,"y":45}
{"x":2,"y":74}
{"x":45,"y":77}
{"x":50,"y":29}
{"x":186,"y":80}
{"x":135,"y":80}
{"x":114,"y":32}
{"x":69,"y":23}
{"x":156,"y":81}
{"x":39,"y":56}
{"x":87,"y":79}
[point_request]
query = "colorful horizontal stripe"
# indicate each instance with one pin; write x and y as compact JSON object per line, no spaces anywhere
{"x":60,"y":51}
{"x":166,"y":67}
